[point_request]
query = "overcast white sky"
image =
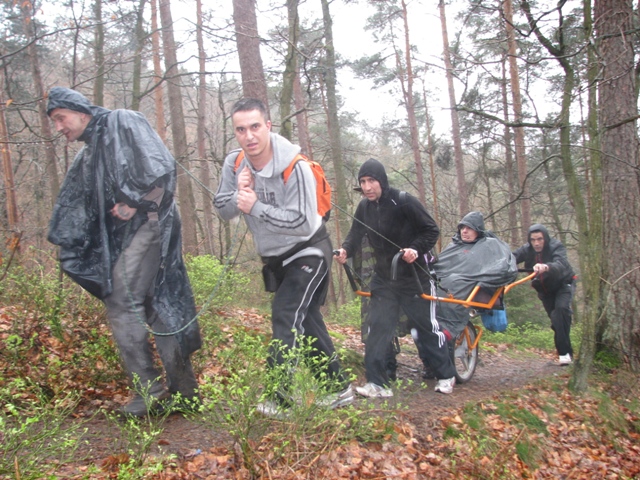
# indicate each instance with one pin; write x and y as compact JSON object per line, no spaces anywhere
{"x":351,"y":41}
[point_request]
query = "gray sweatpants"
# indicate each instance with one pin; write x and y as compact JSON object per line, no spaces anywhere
{"x":129,"y":308}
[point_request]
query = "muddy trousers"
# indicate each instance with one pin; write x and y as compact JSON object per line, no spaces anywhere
{"x":384,"y":311}
{"x":558,"y":307}
{"x":129,"y":308}
{"x":295,"y":313}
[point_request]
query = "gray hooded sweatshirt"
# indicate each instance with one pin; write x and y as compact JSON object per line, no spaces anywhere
{"x":286,"y":214}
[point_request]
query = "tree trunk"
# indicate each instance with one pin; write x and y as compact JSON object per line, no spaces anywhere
{"x":161,"y":126}
{"x":463,"y":194}
{"x":45,"y":125}
{"x":515,"y":239}
{"x":290,"y":71}
{"x":589,"y":226}
{"x":332,"y":118}
{"x":205,"y":175}
{"x":98,"y":83}
{"x":618,"y":109}
{"x":178,"y":132}
{"x":7,"y":169}
{"x":141,"y":37}
{"x":303,"y":124}
{"x":409,"y":103}
{"x":521,"y":160}
{"x":593,"y":286}
{"x":254,"y":84}
{"x":432,"y":168}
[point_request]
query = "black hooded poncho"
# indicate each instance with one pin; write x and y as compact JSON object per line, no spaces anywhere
{"x":461,"y":266}
{"x":122,"y":160}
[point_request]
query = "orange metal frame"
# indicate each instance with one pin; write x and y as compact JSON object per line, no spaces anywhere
{"x":469,"y":302}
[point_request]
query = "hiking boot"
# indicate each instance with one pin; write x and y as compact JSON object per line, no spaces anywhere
{"x":272,"y":409}
{"x":565,"y":360}
{"x":372,"y":390}
{"x":445,"y":385}
{"x":337,"y":400}
{"x":141,"y":406}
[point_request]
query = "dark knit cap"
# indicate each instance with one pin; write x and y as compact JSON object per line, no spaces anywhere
{"x":61,"y":97}
{"x":374,"y":169}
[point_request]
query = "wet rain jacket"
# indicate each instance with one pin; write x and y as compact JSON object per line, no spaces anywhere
{"x":487,"y":262}
{"x":122,"y":160}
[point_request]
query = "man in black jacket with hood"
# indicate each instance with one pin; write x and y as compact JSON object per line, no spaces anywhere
{"x":118,"y":229}
{"x":395,"y":222}
{"x":554,"y":283}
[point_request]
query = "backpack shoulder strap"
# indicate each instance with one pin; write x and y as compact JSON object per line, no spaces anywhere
{"x":287,"y":171}
{"x":239,"y":159}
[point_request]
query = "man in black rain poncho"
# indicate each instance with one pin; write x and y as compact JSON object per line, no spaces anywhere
{"x":475,"y":256}
{"x":118,"y":229}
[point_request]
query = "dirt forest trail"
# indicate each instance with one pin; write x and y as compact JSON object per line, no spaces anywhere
{"x":498,"y":370}
{"x":514,"y":419}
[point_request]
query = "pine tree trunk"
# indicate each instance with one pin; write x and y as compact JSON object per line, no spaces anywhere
{"x":205,"y":175}
{"x":254,"y":84}
{"x":618,"y":109}
{"x":516,"y":96}
{"x":45,"y":125}
{"x":178,"y":131}
{"x":463,"y":194}
{"x":158,"y":99}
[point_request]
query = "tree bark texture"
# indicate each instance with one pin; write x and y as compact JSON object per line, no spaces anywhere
{"x":187,"y":202}
{"x":335,"y":143}
{"x":463,"y":194}
{"x":158,"y":99}
{"x":409,"y":103}
{"x":618,"y":109}
{"x":205,"y":175}
{"x":98,"y":84}
{"x":290,"y":71}
{"x":516,"y":96}
{"x":45,"y":125}
{"x":254,"y":84}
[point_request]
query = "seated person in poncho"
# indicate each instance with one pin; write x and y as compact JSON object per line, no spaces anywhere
{"x":474,"y":257}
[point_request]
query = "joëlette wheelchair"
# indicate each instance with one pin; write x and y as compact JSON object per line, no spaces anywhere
{"x":465,"y":345}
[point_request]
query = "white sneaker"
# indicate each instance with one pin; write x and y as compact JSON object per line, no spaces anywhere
{"x":445,"y":385}
{"x":565,"y":359}
{"x":372,"y":390}
{"x":272,"y":409}
{"x":337,"y":400}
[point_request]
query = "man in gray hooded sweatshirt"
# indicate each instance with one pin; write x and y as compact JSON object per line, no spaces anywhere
{"x":118,"y":229}
{"x":290,"y":237}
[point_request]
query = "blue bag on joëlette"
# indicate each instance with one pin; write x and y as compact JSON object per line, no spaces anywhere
{"x":494,"y":320}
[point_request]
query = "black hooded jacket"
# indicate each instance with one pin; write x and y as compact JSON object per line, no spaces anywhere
{"x":553,"y":254}
{"x":122,"y":160}
{"x":393,"y":222}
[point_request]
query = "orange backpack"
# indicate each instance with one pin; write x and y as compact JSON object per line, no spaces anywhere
{"x":323,"y":189}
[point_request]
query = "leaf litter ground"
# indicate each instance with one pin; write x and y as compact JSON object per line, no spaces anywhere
{"x":436,"y":436}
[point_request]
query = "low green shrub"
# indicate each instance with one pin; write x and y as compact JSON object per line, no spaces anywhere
{"x":36,"y":434}
{"x":346,"y":314}
{"x":243,"y":381}
{"x":217,"y":284}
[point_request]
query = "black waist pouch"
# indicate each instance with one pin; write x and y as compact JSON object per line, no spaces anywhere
{"x":269,"y":277}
